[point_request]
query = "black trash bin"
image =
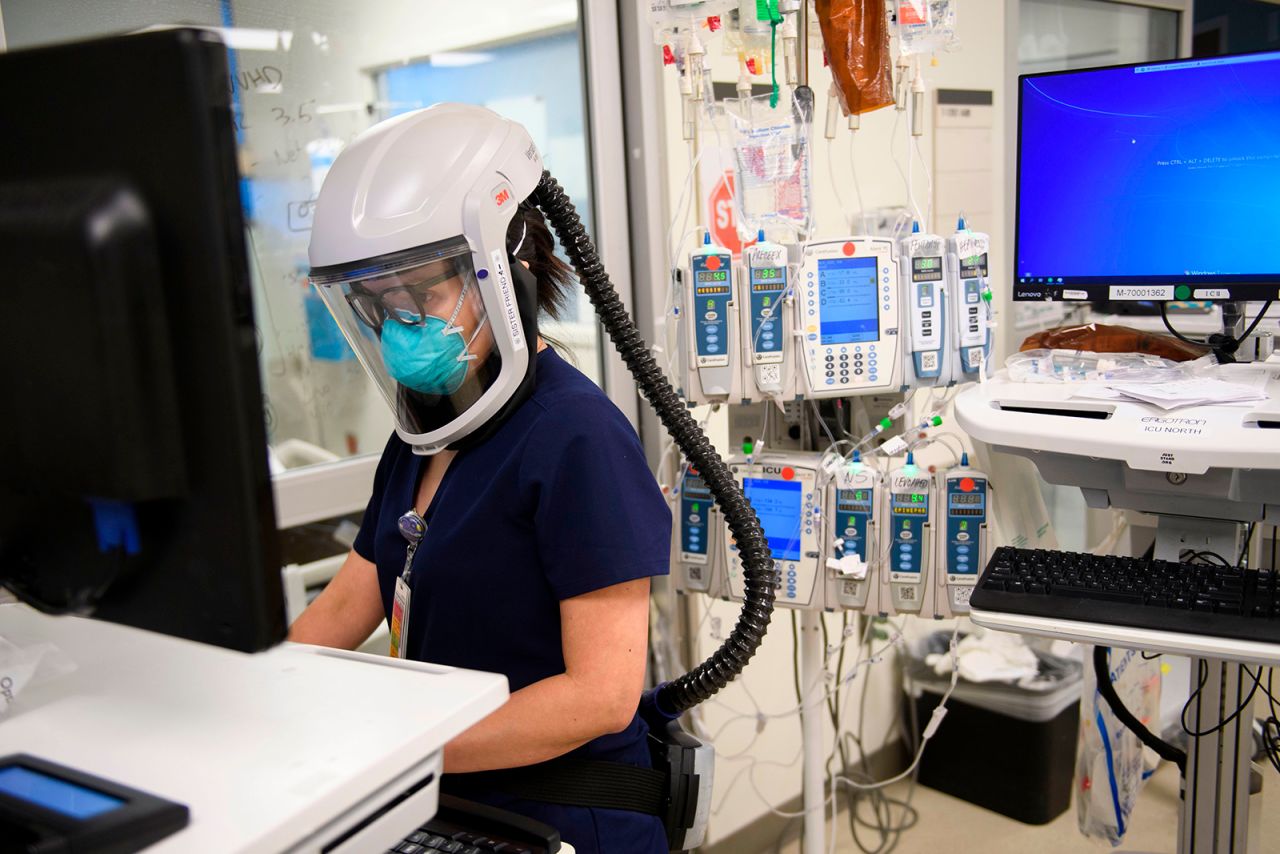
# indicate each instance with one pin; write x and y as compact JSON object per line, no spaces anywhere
{"x":1011,"y":750}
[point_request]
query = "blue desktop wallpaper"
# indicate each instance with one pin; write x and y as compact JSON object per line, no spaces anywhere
{"x":1170,"y":170}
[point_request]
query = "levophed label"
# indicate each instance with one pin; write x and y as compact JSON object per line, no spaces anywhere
{"x":1140,"y":292}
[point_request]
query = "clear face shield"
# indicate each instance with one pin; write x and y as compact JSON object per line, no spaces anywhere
{"x":419,"y":325}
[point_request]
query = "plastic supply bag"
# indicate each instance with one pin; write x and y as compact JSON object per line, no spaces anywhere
{"x":1063,"y":366}
{"x":1104,"y":338}
{"x":855,"y":35}
{"x":1112,"y":765}
{"x":926,"y":26}
{"x":772,"y":162}
{"x":24,"y":666}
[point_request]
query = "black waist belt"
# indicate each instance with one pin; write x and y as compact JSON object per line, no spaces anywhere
{"x":574,"y":782}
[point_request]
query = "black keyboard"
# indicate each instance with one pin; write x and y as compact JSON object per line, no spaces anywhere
{"x":466,"y":827}
{"x":1202,"y":599}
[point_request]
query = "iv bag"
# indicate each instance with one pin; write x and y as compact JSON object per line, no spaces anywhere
{"x":772,"y":161}
{"x":855,"y":35}
{"x":1112,"y":767}
{"x":926,"y":26}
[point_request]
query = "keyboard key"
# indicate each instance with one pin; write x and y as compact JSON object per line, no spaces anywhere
{"x":409,"y":848}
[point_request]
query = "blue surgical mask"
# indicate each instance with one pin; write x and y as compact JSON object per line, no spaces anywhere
{"x":431,"y":358}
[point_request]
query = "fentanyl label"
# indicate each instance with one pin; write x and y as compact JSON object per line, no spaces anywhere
{"x":1140,"y":292}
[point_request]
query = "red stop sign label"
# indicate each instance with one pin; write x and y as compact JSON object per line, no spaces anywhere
{"x":720,"y":213}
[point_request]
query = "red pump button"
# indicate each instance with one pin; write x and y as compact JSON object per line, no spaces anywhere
{"x":967,"y":484}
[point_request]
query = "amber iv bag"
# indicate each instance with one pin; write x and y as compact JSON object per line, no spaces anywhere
{"x":855,"y":34}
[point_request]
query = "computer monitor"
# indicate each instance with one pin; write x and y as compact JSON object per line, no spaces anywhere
{"x":133,"y":458}
{"x":1155,"y":182}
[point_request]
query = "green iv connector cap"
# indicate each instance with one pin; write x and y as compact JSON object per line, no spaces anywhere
{"x":748,"y":446}
{"x":936,"y":420}
{"x":886,"y":422}
{"x":986,"y":294}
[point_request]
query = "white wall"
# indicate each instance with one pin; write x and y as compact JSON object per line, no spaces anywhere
{"x":767,"y":683}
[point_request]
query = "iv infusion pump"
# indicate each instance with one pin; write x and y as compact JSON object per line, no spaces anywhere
{"x":922,"y":269}
{"x":968,"y":280}
{"x":699,"y":532}
{"x":860,"y":315}
{"x":851,"y":497}
{"x":849,"y":317}
{"x":909,"y":559}
{"x":965,"y":536}
{"x":767,"y":331}
{"x":846,"y":537}
{"x":711,"y":321}
{"x":782,"y":488}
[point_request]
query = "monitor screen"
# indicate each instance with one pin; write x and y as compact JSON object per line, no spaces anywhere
{"x":777,"y":505}
{"x":54,"y":794}
{"x":143,"y":496}
{"x":847,"y":288}
{"x":1150,"y":182}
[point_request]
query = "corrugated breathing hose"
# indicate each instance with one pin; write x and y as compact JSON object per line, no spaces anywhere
{"x":758,"y":572}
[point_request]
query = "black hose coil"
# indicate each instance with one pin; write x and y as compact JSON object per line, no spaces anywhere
{"x":758,"y":570}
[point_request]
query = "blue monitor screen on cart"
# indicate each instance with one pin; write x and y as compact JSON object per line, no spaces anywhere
{"x":1150,"y":182}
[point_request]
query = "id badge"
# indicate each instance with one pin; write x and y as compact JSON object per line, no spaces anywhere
{"x":400,"y":619}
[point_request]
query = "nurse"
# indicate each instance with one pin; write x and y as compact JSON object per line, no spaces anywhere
{"x":514,"y":524}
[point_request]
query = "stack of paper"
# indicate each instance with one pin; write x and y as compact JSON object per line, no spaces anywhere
{"x":1176,"y":394}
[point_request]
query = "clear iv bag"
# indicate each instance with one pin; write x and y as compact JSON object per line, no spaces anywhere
{"x":772,"y":153}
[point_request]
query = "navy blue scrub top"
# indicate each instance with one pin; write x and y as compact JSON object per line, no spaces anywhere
{"x":558,"y":502}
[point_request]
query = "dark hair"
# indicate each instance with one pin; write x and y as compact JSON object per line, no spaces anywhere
{"x":555,"y":277}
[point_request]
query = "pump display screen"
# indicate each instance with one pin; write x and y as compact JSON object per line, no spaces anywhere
{"x":712,"y":276}
{"x":975,"y":266}
{"x":966,"y":503}
{"x":54,"y":794}
{"x":853,"y":500}
{"x":777,"y":504}
{"x":926,"y":269}
{"x":847,"y":293}
{"x":767,"y":275}
{"x":910,"y":503}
